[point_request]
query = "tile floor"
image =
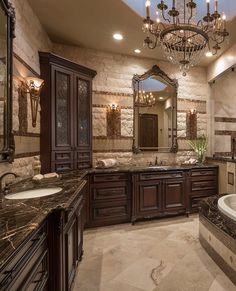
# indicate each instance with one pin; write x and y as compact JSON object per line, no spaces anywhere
{"x":158,"y":255}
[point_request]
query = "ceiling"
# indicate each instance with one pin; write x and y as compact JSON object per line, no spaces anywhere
{"x":91,"y":24}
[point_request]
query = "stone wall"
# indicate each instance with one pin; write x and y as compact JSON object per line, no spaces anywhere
{"x":113,"y":85}
{"x":30,"y":38}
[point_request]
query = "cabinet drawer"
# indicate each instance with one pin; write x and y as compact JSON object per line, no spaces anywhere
{"x":197,"y":185}
{"x":75,"y":207}
{"x":195,"y":200}
{"x":110,"y":177}
{"x":109,"y":213}
{"x":84,"y":165}
{"x":203,"y":172}
{"x":103,"y":192}
{"x":160,"y":175}
{"x":62,"y":156}
{"x":62,"y":166}
{"x":86,"y":155}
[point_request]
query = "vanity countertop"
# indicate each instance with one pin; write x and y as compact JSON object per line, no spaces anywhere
{"x":19,"y":218}
{"x":136,"y":169}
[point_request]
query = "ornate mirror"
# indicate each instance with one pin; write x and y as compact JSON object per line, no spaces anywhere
{"x":155,"y":116}
{"x":7,"y":21}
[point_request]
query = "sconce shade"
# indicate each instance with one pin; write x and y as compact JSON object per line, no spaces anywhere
{"x":33,"y":83}
{"x":33,"y":87}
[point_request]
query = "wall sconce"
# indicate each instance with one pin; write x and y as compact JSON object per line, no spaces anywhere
{"x":191,"y":124}
{"x":113,"y":121}
{"x":33,"y":87}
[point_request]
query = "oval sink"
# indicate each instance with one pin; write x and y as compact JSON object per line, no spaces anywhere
{"x":35,"y":193}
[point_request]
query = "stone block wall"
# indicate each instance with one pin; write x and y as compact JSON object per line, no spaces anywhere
{"x":113,"y":84}
{"x":30,"y":38}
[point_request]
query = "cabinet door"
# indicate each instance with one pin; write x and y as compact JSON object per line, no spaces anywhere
{"x":149,"y":198}
{"x":70,"y":242}
{"x":79,"y":235}
{"x":82,"y":121}
{"x":174,"y":195}
{"x":62,"y":115}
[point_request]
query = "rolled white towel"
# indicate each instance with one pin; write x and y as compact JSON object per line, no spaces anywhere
{"x":106,"y":163}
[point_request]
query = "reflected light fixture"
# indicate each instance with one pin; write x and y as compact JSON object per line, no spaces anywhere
{"x":182,"y":37}
{"x":117,"y":36}
{"x":137,"y":51}
{"x":33,"y":87}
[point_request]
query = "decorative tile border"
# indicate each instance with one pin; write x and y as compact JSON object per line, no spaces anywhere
{"x":107,"y":106}
{"x":225,"y":119}
{"x":26,"y":155}
{"x":108,"y":137}
{"x":28,"y":134}
{"x":113,"y":93}
{"x":186,"y":111}
{"x":113,"y":151}
{"x":225,"y":132}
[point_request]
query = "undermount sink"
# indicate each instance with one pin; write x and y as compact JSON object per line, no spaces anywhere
{"x":35,"y":193}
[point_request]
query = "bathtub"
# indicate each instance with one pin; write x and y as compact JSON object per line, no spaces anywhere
{"x":227,"y":205}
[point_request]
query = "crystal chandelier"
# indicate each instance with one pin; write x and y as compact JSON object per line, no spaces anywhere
{"x":145,"y":99}
{"x":183,"y":38}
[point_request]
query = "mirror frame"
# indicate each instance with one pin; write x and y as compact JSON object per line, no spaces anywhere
{"x":156,"y":71}
{"x":7,"y":153}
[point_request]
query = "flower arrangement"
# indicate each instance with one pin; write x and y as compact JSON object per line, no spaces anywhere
{"x":199,"y":146}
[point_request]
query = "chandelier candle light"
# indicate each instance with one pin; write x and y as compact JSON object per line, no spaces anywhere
{"x":182,"y":38}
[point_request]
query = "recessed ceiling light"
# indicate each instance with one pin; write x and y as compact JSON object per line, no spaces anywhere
{"x":137,"y":51}
{"x":117,"y":36}
{"x":209,"y":54}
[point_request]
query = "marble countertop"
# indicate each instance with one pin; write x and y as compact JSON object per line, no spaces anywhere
{"x":19,"y":218}
{"x":209,"y":209}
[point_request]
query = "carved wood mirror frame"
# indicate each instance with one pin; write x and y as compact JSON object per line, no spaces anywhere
{"x":156,"y":71}
{"x":7,"y":152}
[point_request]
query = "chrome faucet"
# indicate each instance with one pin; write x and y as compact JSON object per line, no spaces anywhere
{"x":3,"y":188}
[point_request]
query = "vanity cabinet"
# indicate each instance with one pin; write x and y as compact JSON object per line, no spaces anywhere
{"x":66,"y":243}
{"x":110,"y":199}
{"x":28,"y":267}
{"x":202,"y":183}
{"x":158,"y":194}
{"x":66,"y":114}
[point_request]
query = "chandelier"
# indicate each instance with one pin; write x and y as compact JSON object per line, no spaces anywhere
{"x":183,"y":38}
{"x":145,"y":99}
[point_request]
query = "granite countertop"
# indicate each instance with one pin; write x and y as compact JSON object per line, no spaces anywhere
{"x":209,"y":209}
{"x":133,"y":169}
{"x":221,"y":159}
{"x":19,"y":218}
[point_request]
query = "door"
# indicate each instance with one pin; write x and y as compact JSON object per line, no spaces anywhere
{"x":82,"y":122}
{"x":62,"y":118}
{"x":149,"y":198}
{"x":148,"y":130}
{"x":174,"y":195}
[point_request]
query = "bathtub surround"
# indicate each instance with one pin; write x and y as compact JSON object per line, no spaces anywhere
{"x":217,"y":234}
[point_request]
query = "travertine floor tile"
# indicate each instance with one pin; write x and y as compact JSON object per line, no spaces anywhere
{"x":157,"y":255}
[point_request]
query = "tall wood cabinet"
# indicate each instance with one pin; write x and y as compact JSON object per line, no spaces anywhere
{"x":66,"y":114}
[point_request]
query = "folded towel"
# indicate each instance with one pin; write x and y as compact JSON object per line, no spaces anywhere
{"x":106,"y":163}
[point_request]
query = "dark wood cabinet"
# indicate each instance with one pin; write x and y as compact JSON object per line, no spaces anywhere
{"x":158,"y":194}
{"x":110,"y":199}
{"x":202,"y":183}
{"x":66,"y":117}
{"x":28,"y":267}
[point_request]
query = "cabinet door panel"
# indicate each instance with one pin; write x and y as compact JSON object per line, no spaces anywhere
{"x":70,"y":254}
{"x":83,"y":108}
{"x":62,"y":116}
{"x":174,"y":196}
{"x":149,"y":199}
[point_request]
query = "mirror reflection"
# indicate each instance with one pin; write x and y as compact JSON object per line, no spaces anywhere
{"x":3,"y":75}
{"x":155,"y":111}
